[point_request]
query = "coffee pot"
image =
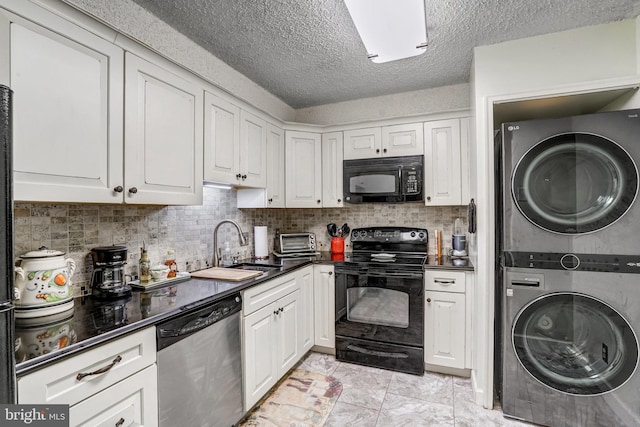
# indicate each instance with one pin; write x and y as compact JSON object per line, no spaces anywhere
{"x":108,"y":279}
{"x":43,"y":283}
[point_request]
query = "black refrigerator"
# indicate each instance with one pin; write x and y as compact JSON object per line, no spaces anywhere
{"x":7,"y":352}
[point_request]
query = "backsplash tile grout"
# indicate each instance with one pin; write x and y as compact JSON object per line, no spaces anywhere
{"x":188,"y":230}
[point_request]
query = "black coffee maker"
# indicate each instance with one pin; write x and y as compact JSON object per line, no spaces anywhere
{"x":108,"y":280}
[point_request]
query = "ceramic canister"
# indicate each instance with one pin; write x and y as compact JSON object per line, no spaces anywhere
{"x":43,"y":281}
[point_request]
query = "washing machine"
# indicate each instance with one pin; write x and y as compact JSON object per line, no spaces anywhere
{"x":570,"y":341}
{"x":569,"y":185}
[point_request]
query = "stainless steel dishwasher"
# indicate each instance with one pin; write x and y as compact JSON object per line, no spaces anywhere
{"x":200,"y":368}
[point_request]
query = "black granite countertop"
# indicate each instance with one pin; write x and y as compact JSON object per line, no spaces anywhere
{"x":91,"y":321}
{"x":45,"y":340}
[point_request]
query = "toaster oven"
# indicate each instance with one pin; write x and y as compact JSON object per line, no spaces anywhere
{"x":295,"y":243}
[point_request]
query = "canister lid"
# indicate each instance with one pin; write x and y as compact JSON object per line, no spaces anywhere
{"x":42,"y":252}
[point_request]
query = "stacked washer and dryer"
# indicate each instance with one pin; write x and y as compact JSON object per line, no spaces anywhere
{"x":569,"y":238}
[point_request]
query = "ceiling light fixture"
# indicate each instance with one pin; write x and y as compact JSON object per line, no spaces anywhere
{"x":390,"y":29}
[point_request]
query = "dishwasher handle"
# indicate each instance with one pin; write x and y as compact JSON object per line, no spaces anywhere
{"x":178,"y":328}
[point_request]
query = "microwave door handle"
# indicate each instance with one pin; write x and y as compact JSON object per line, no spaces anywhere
{"x":399,"y":189}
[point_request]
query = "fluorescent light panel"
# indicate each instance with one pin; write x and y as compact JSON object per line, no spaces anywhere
{"x":390,"y":29}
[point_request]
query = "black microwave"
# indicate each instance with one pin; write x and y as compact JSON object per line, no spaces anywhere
{"x":386,"y":180}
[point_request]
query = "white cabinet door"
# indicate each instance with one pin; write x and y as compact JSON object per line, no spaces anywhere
{"x":131,"y":402}
{"x":324,"y":296}
{"x":403,"y":140}
{"x":442,"y":163}
{"x":332,"y":156}
{"x":288,"y":332}
{"x":275,"y":167}
{"x":253,"y":147}
{"x":67,"y":108}
{"x":305,"y":277}
{"x":303,"y":170}
{"x":362,"y":143}
{"x":163,"y":135}
{"x":221,"y":140}
{"x":260,"y":366}
{"x":444,"y":343}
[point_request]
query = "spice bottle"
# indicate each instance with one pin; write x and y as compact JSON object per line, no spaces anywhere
{"x":144,"y":266}
{"x":170,"y":261}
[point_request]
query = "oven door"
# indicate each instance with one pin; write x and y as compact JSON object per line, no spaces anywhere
{"x":380,"y":318}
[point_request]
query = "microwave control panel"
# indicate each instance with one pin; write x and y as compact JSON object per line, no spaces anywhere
{"x":411,"y":179}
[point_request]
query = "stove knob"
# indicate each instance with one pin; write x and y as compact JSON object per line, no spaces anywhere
{"x":421,"y":235}
{"x":413,"y":234}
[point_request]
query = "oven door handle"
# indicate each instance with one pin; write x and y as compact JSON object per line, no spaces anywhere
{"x":362,"y":350}
{"x":379,"y":272}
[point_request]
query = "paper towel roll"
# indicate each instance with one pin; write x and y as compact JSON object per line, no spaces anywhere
{"x":261,"y":244}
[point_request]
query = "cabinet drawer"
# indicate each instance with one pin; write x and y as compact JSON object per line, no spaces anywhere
{"x":131,"y":402}
{"x":59,"y":383}
{"x":448,"y":281}
{"x":262,"y":295}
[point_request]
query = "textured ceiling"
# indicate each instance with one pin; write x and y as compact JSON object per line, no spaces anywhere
{"x":307,"y":52}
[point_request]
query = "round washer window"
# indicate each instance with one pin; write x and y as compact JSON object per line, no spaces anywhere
{"x":575,"y":183}
{"x":575,"y":344}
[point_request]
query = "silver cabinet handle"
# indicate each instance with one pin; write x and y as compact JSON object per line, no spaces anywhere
{"x":81,"y":375}
{"x":445,"y":281}
{"x":118,"y":189}
{"x":330,"y":273}
{"x":133,"y":190}
{"x":428,"y":299}
{"x":120,"y":422}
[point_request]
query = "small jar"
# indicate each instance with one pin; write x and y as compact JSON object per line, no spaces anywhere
{"x":170,"y":261}
{"x":144,"y":267}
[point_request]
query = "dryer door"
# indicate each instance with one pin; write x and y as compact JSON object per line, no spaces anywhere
{"x":574,"y":183}
{"x":575,"y":344}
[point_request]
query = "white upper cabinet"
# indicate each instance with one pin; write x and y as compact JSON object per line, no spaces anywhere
{"x":362,"y":143}
{"x":235,"y":148}
{"x":403,"y":140}
{"x":222,"y":140}
{"x":68,"y":108}
{"x":163,"y":135}
{"x":274,"y":195}
{"x":442,"y":182}
{"x":303,"y":153}
{"x":253,"y":147}
{"x":93,"y":124}
{"x":332,"y":154}
{"x":386,"y":141}
{"x":275,"y":167}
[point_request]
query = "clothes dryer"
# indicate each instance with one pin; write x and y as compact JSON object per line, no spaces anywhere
{"x":570,"y":340}
{"x":570,"y":185}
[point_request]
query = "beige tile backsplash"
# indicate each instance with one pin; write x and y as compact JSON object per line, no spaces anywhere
{"x":188,"y":230}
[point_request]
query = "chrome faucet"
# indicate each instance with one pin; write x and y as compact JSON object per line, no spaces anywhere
{"x":243,"y":241}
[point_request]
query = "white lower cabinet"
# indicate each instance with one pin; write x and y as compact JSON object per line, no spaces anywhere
{"x":446,"y":335}
{"x":131,"y":402}
{"x":277,"y":330}
{"x":125,"y":389}
{"x":324,"y":296}
{"x":305,"y":277}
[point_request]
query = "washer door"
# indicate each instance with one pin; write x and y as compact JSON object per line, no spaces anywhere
{"x":574,"y":183}
{"x":575,"y":344}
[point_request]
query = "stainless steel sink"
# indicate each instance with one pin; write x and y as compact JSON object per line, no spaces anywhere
{"x":256,"y":266}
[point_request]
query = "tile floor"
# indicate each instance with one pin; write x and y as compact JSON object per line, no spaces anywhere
{"x":381,"y":398}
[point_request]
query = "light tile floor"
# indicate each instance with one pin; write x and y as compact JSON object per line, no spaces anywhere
{"x":374,"y":397}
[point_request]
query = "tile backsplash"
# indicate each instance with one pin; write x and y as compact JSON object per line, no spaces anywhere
{"x":188,"y":230}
